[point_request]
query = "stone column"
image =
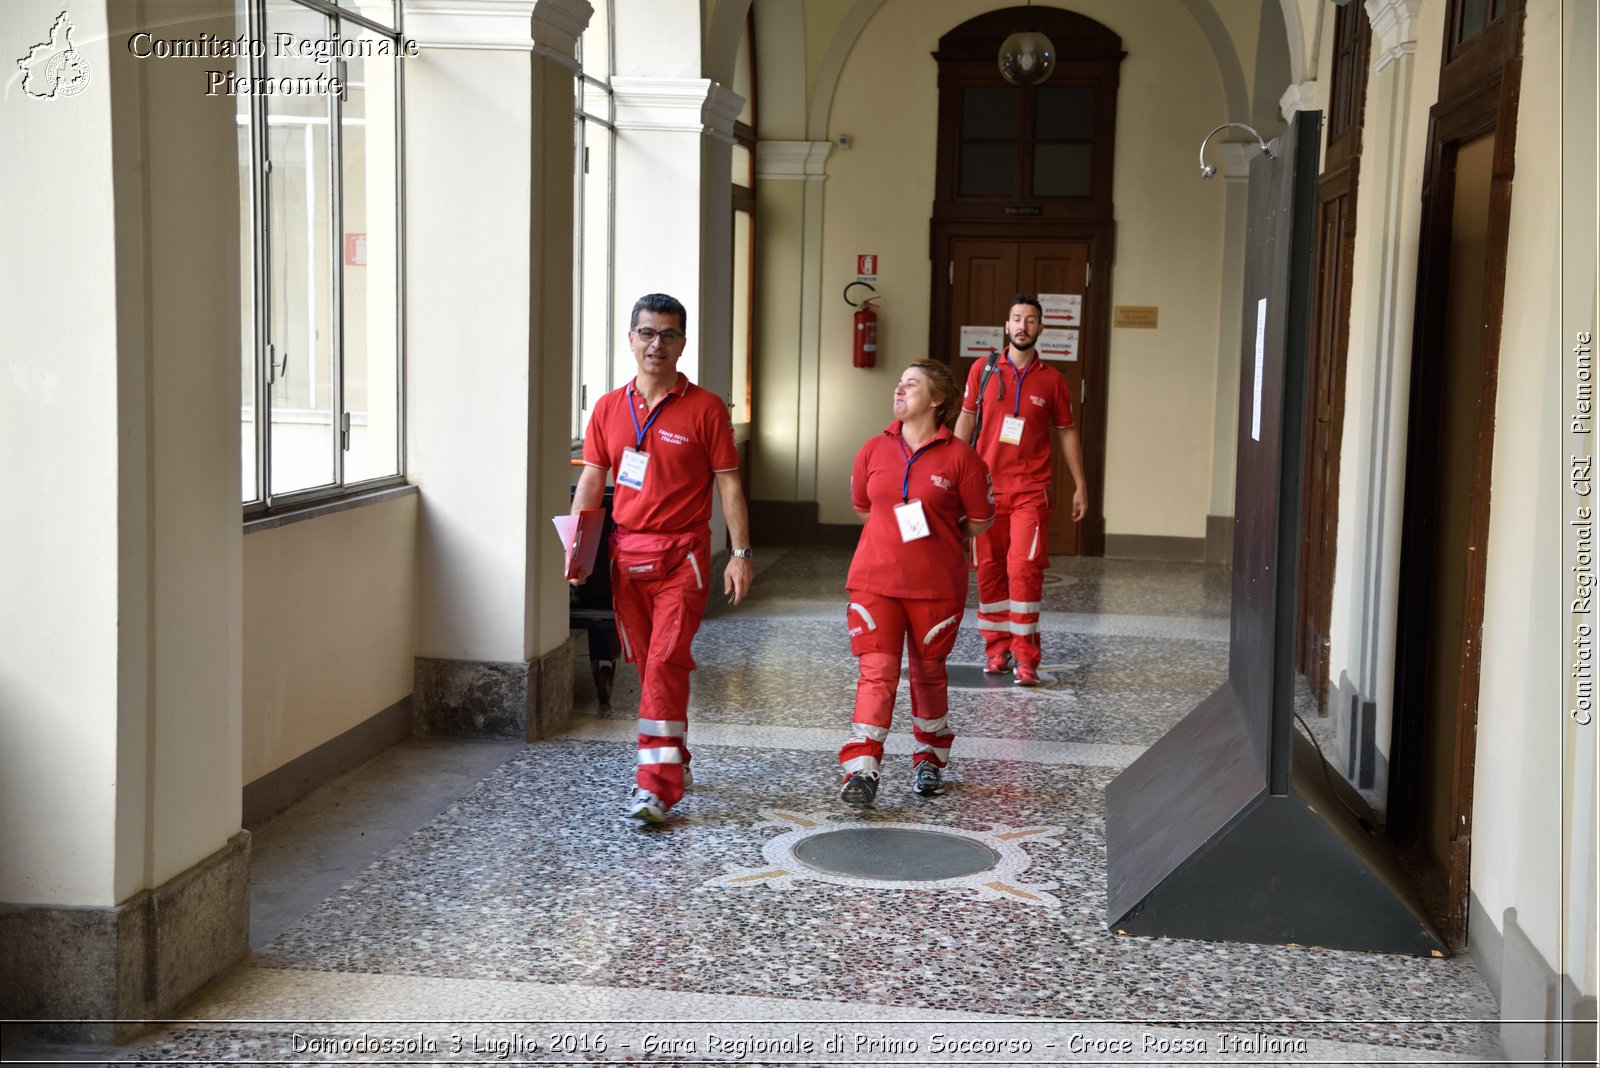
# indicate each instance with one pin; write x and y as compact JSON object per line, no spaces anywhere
{"x":489,"y":315}
{"x":789,"y":177}
{"x":674,"y":217}
{"x":674,"y":211}
{"x":122,"y":863}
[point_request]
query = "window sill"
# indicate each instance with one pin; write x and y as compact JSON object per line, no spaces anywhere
{"x":317,"y":509}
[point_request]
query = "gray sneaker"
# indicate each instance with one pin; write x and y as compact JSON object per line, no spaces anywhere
{"x":688,"y":777}
{"x":929,"y":781}
{"x":646,"y":807}
{"x":860,"y":789}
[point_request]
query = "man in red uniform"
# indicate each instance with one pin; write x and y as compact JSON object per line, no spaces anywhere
{"x":1022,"y":414}
{"x":668,"y":442}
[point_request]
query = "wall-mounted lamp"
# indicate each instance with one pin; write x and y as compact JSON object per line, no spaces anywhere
{"x":1207,"y":171}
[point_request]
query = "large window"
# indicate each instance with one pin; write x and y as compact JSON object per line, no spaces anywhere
{"x":595,"y":138}
{"x":320,"y":406}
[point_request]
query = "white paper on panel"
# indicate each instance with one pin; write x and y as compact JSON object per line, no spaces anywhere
{"x":1058,"y":344}
{"x":1261,"y":364}
{"x":978,"y":341}
{"x":1062,"y":309}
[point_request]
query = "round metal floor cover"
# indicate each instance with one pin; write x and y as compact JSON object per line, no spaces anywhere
{"x":895,"y":854}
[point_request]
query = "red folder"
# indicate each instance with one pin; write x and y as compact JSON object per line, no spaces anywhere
{"x":580,"y":537}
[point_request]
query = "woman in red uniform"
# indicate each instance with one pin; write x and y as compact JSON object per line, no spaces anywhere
{"x":921,"y":492}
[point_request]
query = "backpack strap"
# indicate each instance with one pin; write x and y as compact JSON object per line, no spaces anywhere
{"x":983,"y":387}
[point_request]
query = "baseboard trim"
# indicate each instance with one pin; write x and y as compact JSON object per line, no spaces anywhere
{"x":1554,"y":1021}
{"x":92,"y":975}
{"x":1485,"y":944}
{"x":275,"y":791}
{"x":1156,"y":547}
{"x":1219,"y":539}
{"x":493,"y":698}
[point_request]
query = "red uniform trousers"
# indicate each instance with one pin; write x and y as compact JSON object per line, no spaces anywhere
{"x":880,"y":627}
{"x":659,"y":589}
{"x":1011,"y":559}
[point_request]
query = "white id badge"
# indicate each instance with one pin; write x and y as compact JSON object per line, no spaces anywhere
{"x":630,"y":472}
{"x":913,"y":523}
{"x":1011,"y":430}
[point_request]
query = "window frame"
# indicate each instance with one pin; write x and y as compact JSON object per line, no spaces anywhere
{"x":581,"y":403}
{"x":1088,"y":56}
{"x":264,"y":502}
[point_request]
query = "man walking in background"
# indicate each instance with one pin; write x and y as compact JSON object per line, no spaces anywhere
{"x":1017,"y":411}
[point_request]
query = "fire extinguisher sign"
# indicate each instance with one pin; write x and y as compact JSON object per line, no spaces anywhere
{"x":867,"y":267}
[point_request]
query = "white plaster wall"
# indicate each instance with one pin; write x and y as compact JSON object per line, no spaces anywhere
{"x":1534,"y":794}
{"x":330,"y":611}
{"x":1170,"y":251}
{"x":469,"y":194}
{"x":58,"y":429}
{"x":878,"y":198}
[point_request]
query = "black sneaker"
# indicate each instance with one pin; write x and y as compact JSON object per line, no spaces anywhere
{"x":929,"y":781}
{"x":860,"y":789}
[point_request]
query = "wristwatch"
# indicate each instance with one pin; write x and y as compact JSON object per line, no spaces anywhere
{"x":742,"y":554}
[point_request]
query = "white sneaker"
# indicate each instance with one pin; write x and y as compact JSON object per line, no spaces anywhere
{"x":688,"y":777}
{"x":646,"y":807}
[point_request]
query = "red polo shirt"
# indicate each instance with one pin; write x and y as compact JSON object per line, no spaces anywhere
{"x":1042,"y":398}
{"x":688,"y":437}
{"x":950,"y":480}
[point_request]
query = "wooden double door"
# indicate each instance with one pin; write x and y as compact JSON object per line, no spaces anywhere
{"x":980,"y":276}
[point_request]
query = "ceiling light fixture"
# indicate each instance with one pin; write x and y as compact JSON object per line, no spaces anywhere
{"x":1027,"y":57}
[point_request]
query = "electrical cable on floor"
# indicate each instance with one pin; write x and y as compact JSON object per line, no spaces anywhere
{"x":1366,"y":824}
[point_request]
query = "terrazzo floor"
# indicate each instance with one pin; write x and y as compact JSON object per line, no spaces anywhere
{"x":529,"y":922}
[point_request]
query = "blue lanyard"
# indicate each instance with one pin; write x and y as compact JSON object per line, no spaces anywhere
{"x":1016,"y":407}
{"x":640,"y":432}
{"x":911,"y":458}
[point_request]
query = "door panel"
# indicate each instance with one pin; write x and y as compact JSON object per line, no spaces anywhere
{"x":984,"y":278}
{"x":986,"y":275}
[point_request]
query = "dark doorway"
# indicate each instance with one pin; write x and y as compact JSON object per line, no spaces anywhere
{"x":1450,"y":450}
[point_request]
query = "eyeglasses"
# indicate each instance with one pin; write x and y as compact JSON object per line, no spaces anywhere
{"x":668,"y":337}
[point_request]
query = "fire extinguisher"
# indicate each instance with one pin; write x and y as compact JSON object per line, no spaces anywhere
{"x":865,"y":349}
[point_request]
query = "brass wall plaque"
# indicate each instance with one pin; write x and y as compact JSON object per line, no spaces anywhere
{"x":1135,"y":316}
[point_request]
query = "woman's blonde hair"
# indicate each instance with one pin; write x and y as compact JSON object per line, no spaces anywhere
{"x":943,"y":386}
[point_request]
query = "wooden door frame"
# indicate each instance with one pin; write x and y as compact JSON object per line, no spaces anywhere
{"x":1090,"y":411}
{"x":1479,"y":92}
